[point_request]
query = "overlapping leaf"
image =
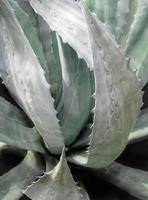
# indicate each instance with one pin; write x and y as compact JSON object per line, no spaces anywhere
{"x":14,"y":129}
{"x":15,"y":181}
{"x":50,"y":47}
{"x":24,"y":77}
{"x":116,"y":86}
{"x":76,"y":93}
{"x":136,"y":45}
{"x":127,"y":21}
{"x":43,"y":42}
{"x":75,"y":111}
{"x":57,"y":184}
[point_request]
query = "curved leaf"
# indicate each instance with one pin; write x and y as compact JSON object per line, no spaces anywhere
{"x":117,"y":15}
{"x":50,"y":47}
{"x":136,"y":47}
{"x":127,"y":20}
{"x":43,"y":42}
{"x":57,"y":184}
{"x":116,"y":87}
{"x":24,"y":77}
{"x":65,"y":17}
{"x":16,"y":180}
{"x":30,"y":31}
{"x":111,"y":126}
{"x":76,"y":102}
{"x":133,"y":181}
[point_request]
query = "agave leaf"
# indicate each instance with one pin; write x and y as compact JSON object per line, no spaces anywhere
{"x":136,"y":45}
{"x":24,"y":77}
{"x":14,"y":129}
{"x":107,"y":134}
{"x":116,"y":87}
{"x":50,"y":47}
{"x":117,"y":15}
{"x":76,"y":102}
{"x":84,"y":195}
{"x":16,"y":180}
{"x":25,"y":6}
{"x":2,"y":145}
{"x":43,"y":42}
{"x":106,"y":11}
{"x":113,"y":95}
{"x":127,"y":20}
{"x":29,"y":29}
{"x":140,"y":131}
{"x":126,"y":11}
{"x":65,"y":17}
{"x":133,"y":181}
{"x":57,"y":184}
{"x":83,"y":138}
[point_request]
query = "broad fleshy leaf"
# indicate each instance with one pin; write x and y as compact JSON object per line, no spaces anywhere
{"x":136,"y":44}
{"x":117,"y":15}
{"x":76,"y":93}
{"x":127,"y":21}
{"x":30,"y":29}
{"x":73,"y":112}
{"x":106,"y":11}
{"x":107,"y":134}
{"x":133,"y":181}
{"x":116,"y":87}
{"x":15,"y":130}
{"x":57,"y":184}
{"x":43,"y":42}
{"x":15,"y":181}
{"x":24,"y":77}
{"x":65,"y":17}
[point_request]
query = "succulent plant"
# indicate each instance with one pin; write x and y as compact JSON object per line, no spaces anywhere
{"x":73,"y":98}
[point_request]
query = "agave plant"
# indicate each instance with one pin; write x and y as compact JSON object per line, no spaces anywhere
{"x":76,"y":95}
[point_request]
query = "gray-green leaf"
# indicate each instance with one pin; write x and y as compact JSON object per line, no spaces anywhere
{"x":14,"y":129}
{"x":57,"y":184}
{"x":76,"y":93}
{"x":24,"y":77}
{"x":133,"y":181}
{"x":43,"y":42}
{"x":116,"y":87}
{"x":127,"y":20}
{"x":15,"y":181}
